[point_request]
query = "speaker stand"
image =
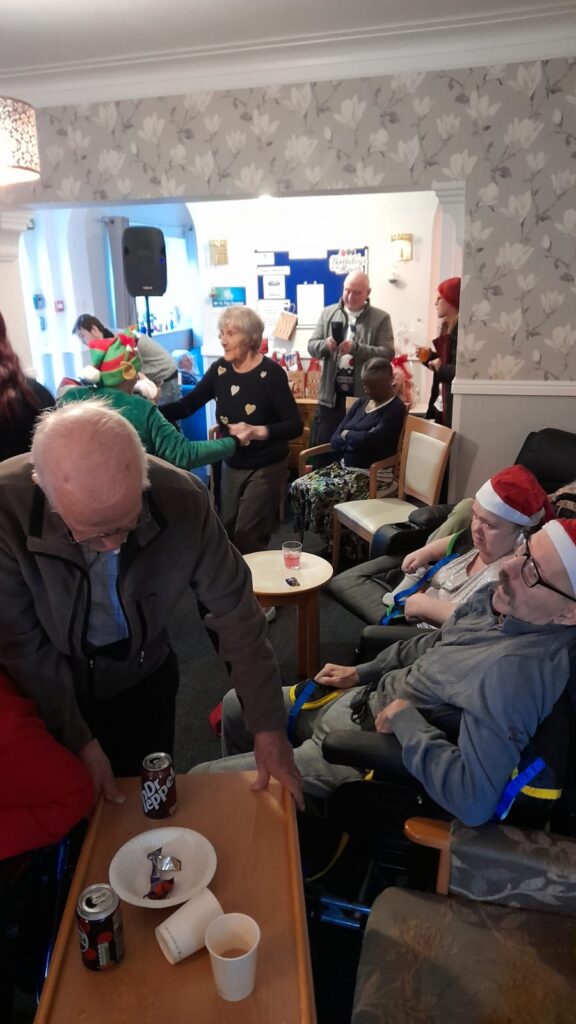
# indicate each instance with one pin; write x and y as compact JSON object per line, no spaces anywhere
{"x":148,"y":324}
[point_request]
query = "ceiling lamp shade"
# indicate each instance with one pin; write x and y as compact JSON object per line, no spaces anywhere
{"x":19,"y":159}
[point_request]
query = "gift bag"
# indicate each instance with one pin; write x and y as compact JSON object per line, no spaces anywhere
{"x":313,"y":375}
{"x":297,"y":381}
{"x":285,"y":325}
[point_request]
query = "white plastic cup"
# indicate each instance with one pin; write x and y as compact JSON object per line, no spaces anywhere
{"x":232,"y":942}
{"x":292,"y":553}
{"x":183,"y":932}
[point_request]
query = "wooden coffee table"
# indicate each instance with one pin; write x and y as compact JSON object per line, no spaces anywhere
{"x":269,"y":576}
{"x":258,"y":873}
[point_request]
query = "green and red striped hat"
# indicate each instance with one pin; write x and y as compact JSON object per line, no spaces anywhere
{"x":116,"y":359}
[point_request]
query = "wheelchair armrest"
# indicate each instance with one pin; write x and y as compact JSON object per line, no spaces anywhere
{"x":397,"y":539}
{"x":400,"y":538}
{"x":430,"y":517}
{"x":374,"y":639}
{"x":367,"y":750}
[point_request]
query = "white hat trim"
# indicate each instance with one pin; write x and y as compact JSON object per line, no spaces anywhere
{"x":565,"y":547}
{"x":493,"y":503}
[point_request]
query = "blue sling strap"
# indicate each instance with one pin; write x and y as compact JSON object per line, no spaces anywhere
{"x":401,"y":598}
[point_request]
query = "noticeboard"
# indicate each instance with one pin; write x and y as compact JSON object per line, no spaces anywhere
{"x":307,"y":285}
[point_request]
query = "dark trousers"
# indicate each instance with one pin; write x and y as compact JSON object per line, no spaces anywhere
{"x":248,"y":504}
{"x":139,"y":721}
{"x":326,"y":419}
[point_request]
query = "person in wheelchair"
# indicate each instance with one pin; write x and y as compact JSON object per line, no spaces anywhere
{"x":438,"y":577}
{"x":502,"y":661}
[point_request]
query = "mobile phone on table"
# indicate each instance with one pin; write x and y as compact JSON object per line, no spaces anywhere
{"x":292,"y":581}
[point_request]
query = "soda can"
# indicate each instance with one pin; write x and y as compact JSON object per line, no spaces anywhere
{"x":99,"y":923}
{"x":158,"y":786}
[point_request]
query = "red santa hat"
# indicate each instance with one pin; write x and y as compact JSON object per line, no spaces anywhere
{"x":514,"y":494}
{"x":562,"y":533}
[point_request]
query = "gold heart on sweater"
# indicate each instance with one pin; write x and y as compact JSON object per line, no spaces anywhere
{"x":234,"y":389}
{"x":249,"y":409}
{"x":221,"y":370}
{"x":264,"y":372}
{"x":224,"y":419}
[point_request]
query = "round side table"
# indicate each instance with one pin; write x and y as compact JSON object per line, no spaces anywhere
{"x":269,"y":575}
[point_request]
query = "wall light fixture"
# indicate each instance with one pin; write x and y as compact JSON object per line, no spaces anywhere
{"x":401,"y":247}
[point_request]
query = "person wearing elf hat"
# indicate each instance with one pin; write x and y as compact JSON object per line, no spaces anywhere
{"x":114,"y":372}
{"x":157,"y":364}
{"x":511,"y":501}
{"x":441,"y":358}
{"x":497,"y":667}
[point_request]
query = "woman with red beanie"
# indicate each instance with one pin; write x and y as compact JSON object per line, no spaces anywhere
{"x":441,"y":358}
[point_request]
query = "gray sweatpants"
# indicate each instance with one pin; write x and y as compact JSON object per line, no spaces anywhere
{"x":320,"y":777}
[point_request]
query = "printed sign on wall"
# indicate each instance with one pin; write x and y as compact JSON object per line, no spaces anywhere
{"x":228,"y":297}
{"x":348,"y":261}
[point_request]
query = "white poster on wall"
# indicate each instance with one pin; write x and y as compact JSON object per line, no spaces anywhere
{"x":274,"y":286}
{"x":309,"y":303}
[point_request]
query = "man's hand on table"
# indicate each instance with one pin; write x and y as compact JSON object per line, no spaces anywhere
{"x":275,"y":757}
{"x":342,"y":677}
{"x":100,"y":770}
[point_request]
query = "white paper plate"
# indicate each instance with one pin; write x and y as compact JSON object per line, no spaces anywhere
{"x":130,"y":869}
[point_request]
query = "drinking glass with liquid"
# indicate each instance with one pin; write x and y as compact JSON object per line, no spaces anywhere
{"x":292,"y":553}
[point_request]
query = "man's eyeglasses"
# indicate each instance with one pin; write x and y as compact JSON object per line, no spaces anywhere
{"x":117,"y":531}
{"x":530,"y":572}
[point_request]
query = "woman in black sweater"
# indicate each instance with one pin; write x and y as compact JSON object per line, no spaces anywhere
{"x":21,"y":401}
{"x":254,"y":404}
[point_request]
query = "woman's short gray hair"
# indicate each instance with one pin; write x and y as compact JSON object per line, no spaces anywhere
{"x":245,"y":320}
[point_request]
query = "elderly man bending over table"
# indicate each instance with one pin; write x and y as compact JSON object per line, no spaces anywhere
{"x":97,"y":545}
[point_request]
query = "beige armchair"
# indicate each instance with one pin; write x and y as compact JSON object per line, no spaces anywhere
{"x":421,"y":466}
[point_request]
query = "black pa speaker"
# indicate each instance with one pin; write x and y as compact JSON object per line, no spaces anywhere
{"x":144,"y":256}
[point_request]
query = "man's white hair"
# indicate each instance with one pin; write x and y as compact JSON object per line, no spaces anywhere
{"x":86,"y":445}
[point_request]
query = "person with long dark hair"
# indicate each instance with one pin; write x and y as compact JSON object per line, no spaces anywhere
{"x":21,"y":400}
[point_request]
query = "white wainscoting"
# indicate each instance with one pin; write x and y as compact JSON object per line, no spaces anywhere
{"x":492,"y":419}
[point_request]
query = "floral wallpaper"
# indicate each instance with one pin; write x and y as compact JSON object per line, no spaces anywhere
{"x":508,"y":132}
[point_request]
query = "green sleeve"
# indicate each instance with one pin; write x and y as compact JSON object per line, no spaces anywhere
{"x":169,"y":444}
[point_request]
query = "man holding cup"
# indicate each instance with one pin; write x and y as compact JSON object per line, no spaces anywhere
{"x":346,"y":336}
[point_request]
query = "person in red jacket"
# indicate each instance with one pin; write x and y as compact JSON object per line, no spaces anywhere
{"x":45,"y":789}
{"x":45,"y":792}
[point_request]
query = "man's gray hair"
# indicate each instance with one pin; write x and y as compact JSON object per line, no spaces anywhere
{"x":91,"y":434}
